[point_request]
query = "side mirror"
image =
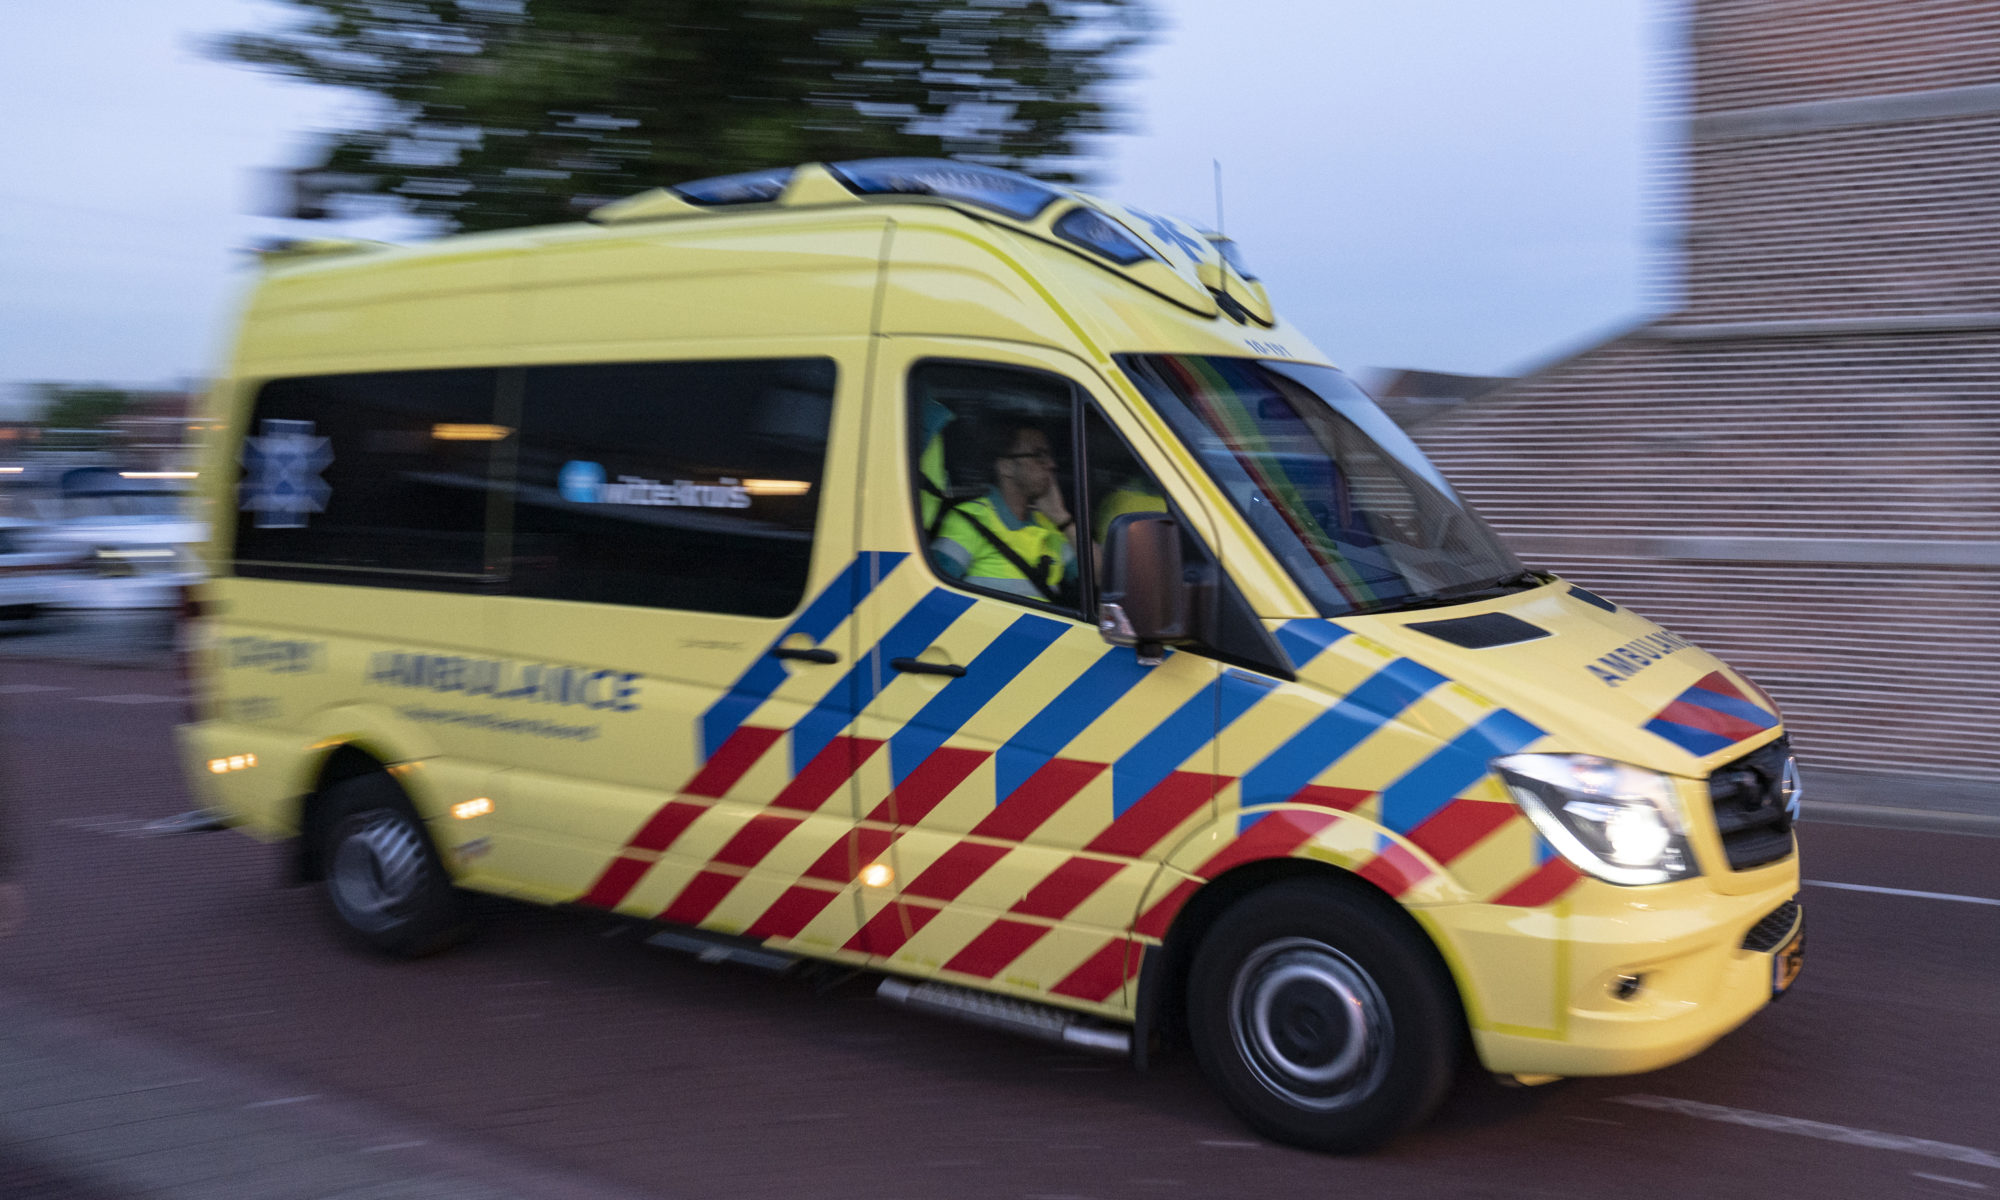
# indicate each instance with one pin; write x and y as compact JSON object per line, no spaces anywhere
{"x":1144,"y":602}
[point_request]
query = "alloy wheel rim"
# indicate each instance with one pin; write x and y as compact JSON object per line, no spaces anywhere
{"x":1310,"y":1023}
{"x":377,"y":869}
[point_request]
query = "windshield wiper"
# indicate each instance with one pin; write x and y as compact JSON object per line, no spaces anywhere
{"x":1519,"y":582}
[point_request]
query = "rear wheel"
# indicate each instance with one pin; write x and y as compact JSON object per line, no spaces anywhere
{"x":384,"y":882}
{"x":1321,"y":1018}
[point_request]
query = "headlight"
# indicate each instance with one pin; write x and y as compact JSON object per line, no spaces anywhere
{"x":1616,"y":821}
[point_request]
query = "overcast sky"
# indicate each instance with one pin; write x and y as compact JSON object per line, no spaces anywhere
{"x":1448,"y":184}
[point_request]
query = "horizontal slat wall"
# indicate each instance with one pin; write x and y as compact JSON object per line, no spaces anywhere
{"x":1755,"y":493}
{"x":1872,"y":438}
{"x":1750,"y":53}
{"x":1879,"y":439}
{"x":1874,"y":221}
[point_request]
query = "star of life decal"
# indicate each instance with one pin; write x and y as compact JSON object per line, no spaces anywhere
{"x":281,"y":474}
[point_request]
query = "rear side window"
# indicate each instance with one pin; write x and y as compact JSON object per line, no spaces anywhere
{"x":671,"y":485}
{"x":378,"y":478}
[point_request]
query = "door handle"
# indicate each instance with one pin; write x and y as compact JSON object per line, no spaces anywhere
{"x":917,"y":666}
{"x":814,"y":654}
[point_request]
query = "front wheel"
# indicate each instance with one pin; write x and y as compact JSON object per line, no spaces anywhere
{"x":384,"y":882}
{"x":1321,"y":1017}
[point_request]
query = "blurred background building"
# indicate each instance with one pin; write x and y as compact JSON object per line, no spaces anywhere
{"x":1799,"y":467}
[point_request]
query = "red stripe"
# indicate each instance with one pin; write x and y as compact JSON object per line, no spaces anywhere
{"x":843,"y":860}
{"x":617,"y":882}
{"x":1340,"y":799}
{"x":1459,"y":826}
{"x":1069,"y":885}
{"x":1274,"y":836}
{"x":1158,"y":813}
{"x":997,"y":945}
{"x":1680,"y":712}
{"x":1543,"y":884}
{"x":1036,"y":800}
{"x":699,"y":898}
{"x":623,"y":874}
{"x":822,"y":777}
{"x":666,"y":825}
{"x":737,"y":754}
{"x":955,"y":870}
{"x":1395,"y":870}
{"x":887,"y":931}
{"x":1716,"y":681}
{"x":1100,"y":976}
{"x":922,"y":789}
{"x":1160,"y":918}
{"x":793,"y":912}
{"x":758,"y":837}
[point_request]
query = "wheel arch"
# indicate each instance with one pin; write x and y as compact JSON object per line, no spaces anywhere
{"x":1160,"y":1010}
{"x":341,"y":762}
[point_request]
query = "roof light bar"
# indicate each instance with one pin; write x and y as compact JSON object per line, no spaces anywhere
{"x":1004,"y":192}
{"x":750,"y":187}
{"x":1092,"y":230}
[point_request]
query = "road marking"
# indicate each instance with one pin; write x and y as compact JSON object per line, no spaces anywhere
{"x":1964,"y":1183}
{"x":281,"y":1101}
{"x":28,"y":689}
{"x":132,"y":698}
{"x":1888,"y":891}
{"x":390,"y":1146}
{"x":1869,"y":1138}
{"x":1231,"y":1145}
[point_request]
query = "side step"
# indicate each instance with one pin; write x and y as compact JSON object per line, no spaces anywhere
{"x":716,"y":947}
{"x":1037,"y":1021}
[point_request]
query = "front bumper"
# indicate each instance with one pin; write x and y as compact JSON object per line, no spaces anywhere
{"x":1547,"y":990}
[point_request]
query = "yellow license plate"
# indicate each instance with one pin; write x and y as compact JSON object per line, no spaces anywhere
{"x":1789,"y":960}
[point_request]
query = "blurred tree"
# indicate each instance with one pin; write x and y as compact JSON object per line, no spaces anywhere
{"x":65,"y":406}
{"x":491,"y":113}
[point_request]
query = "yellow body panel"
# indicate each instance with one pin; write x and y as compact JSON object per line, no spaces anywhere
{"x":1033,"y":827}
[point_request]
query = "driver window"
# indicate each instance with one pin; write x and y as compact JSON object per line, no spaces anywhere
{"x":995,"y":476}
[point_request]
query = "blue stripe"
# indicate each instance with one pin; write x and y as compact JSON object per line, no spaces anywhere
{"x":1305,"y":638}
{"x":1742,"y":710}
{"x":1178,"y":738}
{"x":1106,"y":681}
{"x":993,"y":669}
{"x":1434,"y":782}
{"x":820,"y":618}
{"x":1698,"y":742}
{"x":906,"y":639}
{"x":1337,"y":731}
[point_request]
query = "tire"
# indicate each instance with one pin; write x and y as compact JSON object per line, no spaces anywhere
{"x":385,"y":885}
{"x":1321,"y":1017}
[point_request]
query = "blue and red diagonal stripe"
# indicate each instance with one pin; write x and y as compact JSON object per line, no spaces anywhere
{"x":1712,"y":715}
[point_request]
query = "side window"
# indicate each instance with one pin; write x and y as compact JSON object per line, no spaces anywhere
{"x":1115,"y":481}
{"x":993,"y":464}
{"x":1115,"y":484}
{"x":380,"y":478}
{"x":690,"y":485}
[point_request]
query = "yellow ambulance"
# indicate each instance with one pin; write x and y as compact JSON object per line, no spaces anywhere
{"x":927,"y":569}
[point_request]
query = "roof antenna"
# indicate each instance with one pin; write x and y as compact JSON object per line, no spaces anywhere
{"x":1221,"y":238}
{"x":1218,"y":196}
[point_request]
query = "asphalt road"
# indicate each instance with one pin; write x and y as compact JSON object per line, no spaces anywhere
{"x":558,"y":1038}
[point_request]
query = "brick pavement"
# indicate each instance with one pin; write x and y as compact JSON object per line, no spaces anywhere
{"x":89,"y":1112}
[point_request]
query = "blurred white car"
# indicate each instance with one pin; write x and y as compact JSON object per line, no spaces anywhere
{"x":133,"y":537}
{"x":35,"y":574}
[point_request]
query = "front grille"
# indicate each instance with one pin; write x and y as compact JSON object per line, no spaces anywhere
{"x":1750,"y":807}
{"x":1766,"y":934}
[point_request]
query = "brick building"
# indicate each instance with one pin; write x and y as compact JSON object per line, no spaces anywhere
{"x":1799,"y":467}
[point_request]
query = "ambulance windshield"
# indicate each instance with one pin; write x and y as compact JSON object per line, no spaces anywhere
{"x":1340,"y":494}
